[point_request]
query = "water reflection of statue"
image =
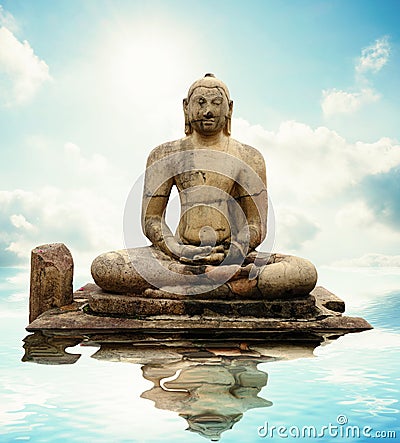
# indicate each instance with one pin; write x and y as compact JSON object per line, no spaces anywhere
{"x":211,"y":386}
{"x":50,"y":350}
{"x":212,"y":397}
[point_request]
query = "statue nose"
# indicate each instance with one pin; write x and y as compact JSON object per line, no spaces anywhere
{"x":208,"y":114}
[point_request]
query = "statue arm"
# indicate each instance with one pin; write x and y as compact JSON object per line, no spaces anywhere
{"x":255,"y":208}
{"x":254,"y":199}
{"x":156,"y":194}
{"x":154,"y":226}
{"x":154,"y":204}
{"x":157,"y":231}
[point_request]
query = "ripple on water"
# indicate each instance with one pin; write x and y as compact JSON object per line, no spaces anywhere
{"x":383,"y":312}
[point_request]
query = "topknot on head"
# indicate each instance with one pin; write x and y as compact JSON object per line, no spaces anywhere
{"x":209,"y":81}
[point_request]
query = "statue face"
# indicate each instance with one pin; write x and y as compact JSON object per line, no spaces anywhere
{"x":207,"y":110}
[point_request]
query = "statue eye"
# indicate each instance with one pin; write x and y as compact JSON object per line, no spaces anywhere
{"x":201,"y":101}
{"x":217,"y":101}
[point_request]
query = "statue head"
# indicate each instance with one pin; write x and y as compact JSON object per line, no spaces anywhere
{"x":211,"y":424}
{"x":208,"y":108}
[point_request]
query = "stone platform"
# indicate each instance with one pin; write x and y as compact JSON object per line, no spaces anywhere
{"x":142,"y":306}
{"x":78,"y":318}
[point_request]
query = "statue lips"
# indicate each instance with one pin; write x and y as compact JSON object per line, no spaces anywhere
{"x":207,"y":123}
{"x":204,"y":120}
{"x":209,"y":120}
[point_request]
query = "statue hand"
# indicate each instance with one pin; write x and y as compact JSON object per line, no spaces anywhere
{"x":214,"y":257}
{"x":186,"y":253}
{"x":195,"y":252}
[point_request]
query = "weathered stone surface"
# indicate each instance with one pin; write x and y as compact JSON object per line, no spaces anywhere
{"x":182,"y":327}
{"x":116,"y":270}
{"x":158,"y":302}
{"x":329,"y":300}
{"x":52,"y":270}
{"x":287,"y":277}
{"x":224,"y":205}
{"x":57,"y":320}
{"x":123,"y":305}
{"x":169,"y":292}
{"x":173,"y":328}
{"x":125,"y":272}
{"x":244,"y":287}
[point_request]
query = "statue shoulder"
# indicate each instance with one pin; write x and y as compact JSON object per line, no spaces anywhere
{"x":247,"y":150}
{"x":163,"y":151}
{"x":250,"y":156}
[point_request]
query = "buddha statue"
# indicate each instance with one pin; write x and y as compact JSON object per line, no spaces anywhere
{"x":224,"y":203}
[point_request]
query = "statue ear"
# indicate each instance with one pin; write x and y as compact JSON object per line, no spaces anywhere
{"x":188,"y":127}
{"x":227,"y":129}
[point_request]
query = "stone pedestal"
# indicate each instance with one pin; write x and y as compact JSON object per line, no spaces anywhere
{"x":148,"y":305}
{"x":52,"y":270}
{"x":224,"y":315}
{"x":78,"y":319}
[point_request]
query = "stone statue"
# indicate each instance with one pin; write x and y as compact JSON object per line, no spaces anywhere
{"x":223,"y":196}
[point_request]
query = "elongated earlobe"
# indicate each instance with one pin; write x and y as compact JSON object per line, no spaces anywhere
{"x":188,"y":126}
{"x":228,"y":120}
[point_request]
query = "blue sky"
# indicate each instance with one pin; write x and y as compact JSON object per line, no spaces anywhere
{"x":87,"y":89}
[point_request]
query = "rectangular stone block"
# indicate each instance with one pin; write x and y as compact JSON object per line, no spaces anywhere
{"x":52,"y":269}
{"x":136,"y":306}
{"x":328,"y":300}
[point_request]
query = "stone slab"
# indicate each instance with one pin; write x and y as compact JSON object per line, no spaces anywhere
{"x":172,"y":328}
{"x":156,"y":302}
{"x":328,"y":300}
{"x":57,"y":322}
{"x":104,"y":303}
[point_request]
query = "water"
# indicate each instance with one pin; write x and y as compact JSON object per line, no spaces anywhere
{"x":354,"y":380}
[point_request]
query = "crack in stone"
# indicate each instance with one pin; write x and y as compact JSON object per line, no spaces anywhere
{"x":156,"y":195}
{"x":250,"y":195}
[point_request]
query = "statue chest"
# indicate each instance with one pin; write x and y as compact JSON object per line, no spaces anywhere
{"x":198,"y":178}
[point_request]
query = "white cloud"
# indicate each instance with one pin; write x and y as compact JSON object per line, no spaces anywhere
{"x":341,"y":102}
{"x":83,"y":209}
{"x":293,"y":228}
{"x":85,"y":220}
{"x":374,"y":57}
{"x":374,"y":260}
{"x":96,"y":164}
{"x":354,"y":215}
{"x":19,"y":221}
{"x":318,"y":177}
{"x":304,"y":163}
{"x":23,"y":70}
